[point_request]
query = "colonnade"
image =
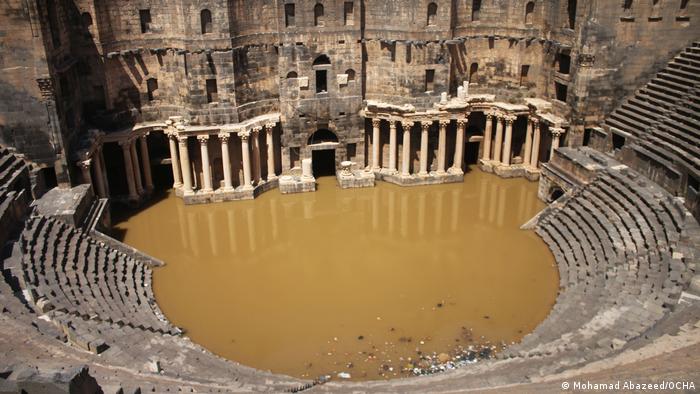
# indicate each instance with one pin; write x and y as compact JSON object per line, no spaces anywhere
{"x":94,"y":172}
{"x":407,"y":126}
{"x":137,"y":185}
{"x":501,"y":150}
{"x":137,"y":168}
{"x":182,"y":167}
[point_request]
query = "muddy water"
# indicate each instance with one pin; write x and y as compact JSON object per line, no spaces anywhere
{"x":366,"y":281}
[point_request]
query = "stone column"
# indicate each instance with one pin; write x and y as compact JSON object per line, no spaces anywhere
{"x":245,"y":150}
{"x":556,"y":134}
{"x":307,"y":169}
{"x":206,"y":169}
{"x":226,"y":161}
{"x":255,"y":144}
{"x":375,"y":144}
{"x":129,"y":169}
{"x":442,"y":142}
{"x":136,"y":167}
{"x":185,"y":164}
{"x":99,"y":176}
{"x":270,"y":151}
{"x":508,"y":139}
{"x":498,"y":144}
{"x":528,"y":141}
{"x":459,"y":146}
{"x":535,"y":147}
{"x":146,"y":160}
{"x":425,"y":126}
{"x":392,"y":146}
{"x":406,"y":156}
{"x":486,"y":149}
{"x":174,"y":161}
{"x":85,"y":166}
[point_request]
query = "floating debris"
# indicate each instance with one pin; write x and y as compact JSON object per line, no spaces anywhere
{"x":344,"y":375}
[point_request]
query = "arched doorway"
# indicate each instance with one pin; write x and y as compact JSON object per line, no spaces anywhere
{"x":323,"y":144}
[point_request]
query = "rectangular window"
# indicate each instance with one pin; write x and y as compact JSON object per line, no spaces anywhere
{"x":524,"y":71}
{"x":145,"y":18}
{"x":212,"y":91}
{"x":321,"y":81}
{"x":289,"y":15}
{"x":563,"y":63}
{"x":586,"y":137}
{"x":152,"y":86}
{"x":561,"y":91}
{"x":349,"y":13}
{"x":476,"y":10}
{"x":429,"y":80}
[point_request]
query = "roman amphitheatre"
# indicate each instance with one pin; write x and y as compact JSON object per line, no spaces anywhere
{"x":349,"y":196}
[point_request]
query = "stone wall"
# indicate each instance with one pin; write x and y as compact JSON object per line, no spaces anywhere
{"x":125,"y":62}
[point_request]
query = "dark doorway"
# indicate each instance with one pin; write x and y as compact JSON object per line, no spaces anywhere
{"x":323,"y":162}
{"x":555,"y":193}
{"x":471,"y":153}
{"x":618,"y":141}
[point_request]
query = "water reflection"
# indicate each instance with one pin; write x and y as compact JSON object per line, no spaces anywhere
{"x":290,"y":283}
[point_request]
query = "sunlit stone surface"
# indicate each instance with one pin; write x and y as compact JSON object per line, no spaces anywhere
{"x":355,"y":281}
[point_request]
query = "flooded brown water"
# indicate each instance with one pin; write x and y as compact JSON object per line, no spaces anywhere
{"x":365,"y":281}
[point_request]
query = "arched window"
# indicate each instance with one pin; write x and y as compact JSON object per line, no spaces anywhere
{"x":529,"y":12}
{"x":318,"y":15}
{"x":432,"y":14}
{"x":321,"y":68}
{"x":476,"y":9}
{"x":627,"y":5}
{"x":206,"y":21}
{"x":473,"y":72}
{"x":351,"y":74}
{"x":572,"y":13}
{"x":292,"y":74}
{"x":322,"y":60}
{"x":53,"y":23}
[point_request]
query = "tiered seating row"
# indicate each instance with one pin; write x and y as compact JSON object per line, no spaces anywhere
{"x":619,"y":245}
{"x":67,"y":271}
{"x":664,"y":115}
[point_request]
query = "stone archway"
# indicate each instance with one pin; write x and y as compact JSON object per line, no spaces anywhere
{"x":322,"y":145}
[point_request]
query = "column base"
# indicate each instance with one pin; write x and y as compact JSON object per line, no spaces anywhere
{"x":455,"y":171}
{"x":177,"y":185}
{"x":247,"y":187}
{"x":271,"y":177}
